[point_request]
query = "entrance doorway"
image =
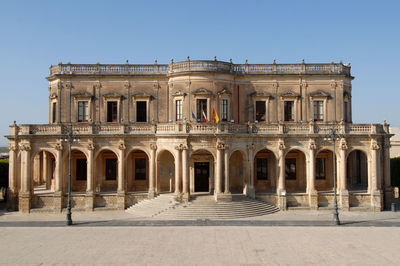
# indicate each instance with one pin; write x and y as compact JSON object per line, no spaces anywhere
{"x":201,"y":176}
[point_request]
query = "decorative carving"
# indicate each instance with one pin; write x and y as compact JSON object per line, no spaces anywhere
{"x":127,"y":85}
{"x":386,"y":144}
{"x":343,"y":144}
{"x":221,"y":146}
{"x":312,"y":145}
{"x":25,"y":146}
{"x":12,"y":147}
{"x":153,"y":146}
{"x":97,"y":85}
{"x":59,"y":146}
{"x":121,"y":145}
{"x":250,"y":146}
{"x":68,"y":85}
{"x":90,"y":145}
{"x":281,"y":145}
{"x":333,"y":84}
{"x":374,"y":144}
{"x":181,"y":147}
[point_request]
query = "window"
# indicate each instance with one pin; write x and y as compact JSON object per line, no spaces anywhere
{"x":260,"y":111}
{"x":54,"y":112}
{"x":290,"y":168}
{"x":288,"y":109}
{"x":318,"y":111}
{"x":224,"y":110}
{"x":81,"y":169}
{"x":262,"y":169}
{"x":320,"y":172}
{"x":346,"y":109}
{"x":178,"y":104}
{"x":112,"y":111}
{"x":140,"y":169}
{"x":83,"y":111}
{"x":111,"y":169}
{"x":202,"y":110}
{"x":141,"y":111}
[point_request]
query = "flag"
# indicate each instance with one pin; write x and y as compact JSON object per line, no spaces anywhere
{"x":215,"y":117}
{"x":194,"y":117}
{"x":204,"y":115}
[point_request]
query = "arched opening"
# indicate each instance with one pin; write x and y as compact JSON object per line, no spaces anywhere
{"x":106,"y":171}
{"x":295,"y":171}
{"x":137,"y":171}
{"x":324,"y":170}
{"x":237,"y":172}
{"x":265,"y":171}
{"x":202,"y":171}
{"x":357,"y":170}
{"x":78,"y":171}
{"x":165,"y":172}
{"x":43,"y":167}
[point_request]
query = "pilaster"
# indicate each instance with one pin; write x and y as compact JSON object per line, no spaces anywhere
{"x":281,"y":190}
{"x":376,"y":194}
{"x":12,"y":177}
{"x":24,"y":201}
{"x":185,"y":174}
{"x":90,"y":196}
{"x":121,"y":176}
{"x":178,"y":196}
{"x":250,"y":191}
{"x":153,"y":148}
{"x":344,"y":201}
{"x":312,"y":192}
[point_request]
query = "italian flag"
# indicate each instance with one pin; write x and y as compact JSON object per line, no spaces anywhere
{"x":204,"y":115}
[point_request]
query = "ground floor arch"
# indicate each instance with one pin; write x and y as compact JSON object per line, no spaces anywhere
{"x":137,"y":166}
{"x":237,"y":172}
{"x":265,"y":171}
{"x":295,"y":171}
{"x":324,"y":170}
{"x":357,"y":170}
{"x":106,"y":171}
{"x":42,"y":171}
{"x":201,"y":171}
{"x":165,"y":181}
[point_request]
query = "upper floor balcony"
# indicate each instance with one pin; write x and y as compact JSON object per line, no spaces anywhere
{"x":198,"y":66}
{"x":221,"y":129}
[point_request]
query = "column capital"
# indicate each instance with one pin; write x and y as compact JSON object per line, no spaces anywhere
{"x":250,"y":147}
{"x":181,"y":147}
{"x":121,"y":145}
{"x":25,"y":146}
{"x":221,"y":146}
{"x":90,"y":145}
{"x":374,"y":145}
{"x":59,"y":146}
{"x":153,"y":146}
{"x":312,"y":145}
{"x":281,"y":145}
{"x":12,"y":147}
{"x":343,"y":144}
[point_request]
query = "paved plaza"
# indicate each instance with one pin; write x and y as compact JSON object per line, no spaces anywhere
{"x":119,"y":238}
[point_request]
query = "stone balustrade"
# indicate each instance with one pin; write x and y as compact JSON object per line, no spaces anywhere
{"x":202,"y":128}
{"x":198,"y":66}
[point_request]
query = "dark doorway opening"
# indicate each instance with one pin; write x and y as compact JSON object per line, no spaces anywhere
{"x":201,"y":176}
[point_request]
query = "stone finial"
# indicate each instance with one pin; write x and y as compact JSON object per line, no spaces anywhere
{"x":127,"y":61}
{"x":302,"y":61}
{"x":230,"y":60}
{"x":155,"y":62}
{"x":69,"y":63}
{"x":215,"y":58}
{"x":274,"y":61}
{"x":172,"y":60}
{"x":348,"y":64}
{"x":246,"y":62}
{"x":15,"y":123}
{"x":187,"y":58}
{"x":341,"y":62}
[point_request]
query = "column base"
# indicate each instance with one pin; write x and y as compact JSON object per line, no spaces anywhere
{"x":121,"y":200}
{"x":12,"y":200}
{"x":58,"y":201}
{"x":313,"y":199}
{"x":152,"y":194}
{"x":223,"y":197}
{"x":24,"y":202}
{"x":250,"y":192}
{"x":185,"y":197}
{"x":389,"y":197}
{"x":376,"y":200}
{"x":344,"y":200}
{"x":178,"y":197}
{"x":90,"y":196}
{"x":281,"y":200}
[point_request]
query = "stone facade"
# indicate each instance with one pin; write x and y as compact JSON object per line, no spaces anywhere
{"x":141,"y":130}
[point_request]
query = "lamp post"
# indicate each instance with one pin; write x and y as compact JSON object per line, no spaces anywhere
{"x":334,"y":135}
{"x":69,"y":138}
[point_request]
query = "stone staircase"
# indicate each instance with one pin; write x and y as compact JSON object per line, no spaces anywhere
{"x":201,"y":207}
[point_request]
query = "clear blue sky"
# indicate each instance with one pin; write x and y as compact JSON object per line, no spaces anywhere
{"x":35,"y":34}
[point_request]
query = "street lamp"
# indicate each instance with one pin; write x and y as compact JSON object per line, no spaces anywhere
{"x":334,"y":136}
{"x":69,"y":138}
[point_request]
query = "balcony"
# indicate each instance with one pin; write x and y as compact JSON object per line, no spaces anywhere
{"x":198,"y":66}
{"x":165,"y":129}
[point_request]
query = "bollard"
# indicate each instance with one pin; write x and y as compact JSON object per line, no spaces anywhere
{"x":394,"y":207}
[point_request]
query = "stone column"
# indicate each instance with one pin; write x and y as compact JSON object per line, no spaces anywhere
{"x":185,"y":174}
{"x":226,"y":172}
{"x":281,"y":190}
{"x":152,"y":164}
{"x":121,"y":176}
{"x":12,"y":177}
{"x":45,"y":170}
{"x":312,"y":192}
{"x":58,"y":195}
{"x":376,"y":195}
{"x":343,"y":192}
{"x":90,"y":196}
{"x":388,"y":190}
{"x":177,"y":173}
{"x":218,"y":169}
{"x":25,"y":193}
{"x":250,"y":191}
{"x":36,"y":170}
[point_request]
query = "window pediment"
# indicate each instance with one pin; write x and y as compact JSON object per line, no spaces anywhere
{"x":319,"y":95}
{"x":142,"y":95}
{"x":82,"y":95}
{"x":202,"y":92}
{"x":178,"y":93}
{"x":260,"y":94}
{"x":53,"y":96}
{"x":112,"y":96}
{"x":224,"y":91}
{"x":289,"y":95}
